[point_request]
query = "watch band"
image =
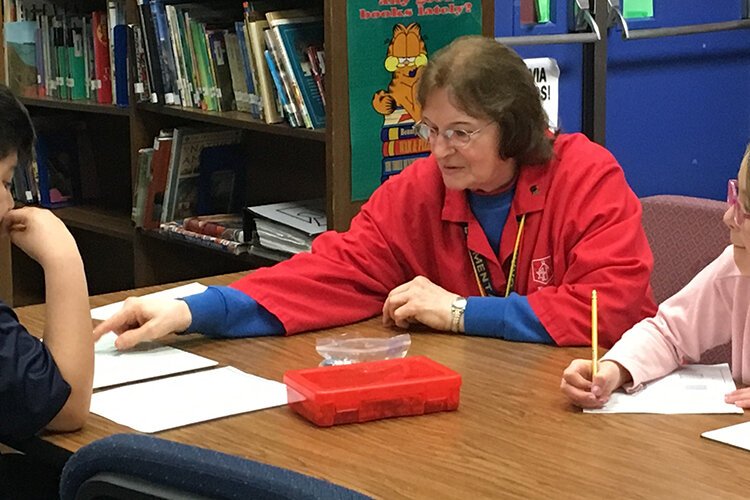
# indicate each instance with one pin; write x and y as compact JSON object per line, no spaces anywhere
{"x":457,"y":312}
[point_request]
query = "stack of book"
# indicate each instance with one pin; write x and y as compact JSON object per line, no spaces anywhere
{"x":268,"y":64}
{"x":401,"y":144}
{"x":221,"y":232}
{"x":63,"y":51}
{"x":280,"y":230}
{"x":189,"y":172}
{"x":63,"y":171}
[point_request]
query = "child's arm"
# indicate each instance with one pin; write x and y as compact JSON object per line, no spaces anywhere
{"x":67,"y":331}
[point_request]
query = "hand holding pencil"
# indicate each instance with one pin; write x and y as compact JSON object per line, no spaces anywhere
{"x":594,"y":333}
{"x":589,"y":383}
{"x":592,"y":391}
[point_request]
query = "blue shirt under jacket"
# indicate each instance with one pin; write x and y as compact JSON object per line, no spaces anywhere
{"x":226,"y":312}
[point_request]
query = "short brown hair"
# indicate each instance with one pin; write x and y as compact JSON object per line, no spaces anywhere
{"x":16,"y":129}
{"x":489,"y":80}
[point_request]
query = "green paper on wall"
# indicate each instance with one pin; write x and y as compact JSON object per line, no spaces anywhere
{"x":542,"y":11}
{"x":637,"y":9}
{"x":388,"y":46}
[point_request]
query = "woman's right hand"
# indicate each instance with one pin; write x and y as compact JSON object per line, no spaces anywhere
{"x":142,"y":319}
{"x":578,"y":386}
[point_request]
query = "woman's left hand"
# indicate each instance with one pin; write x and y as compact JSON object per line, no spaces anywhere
{"x":419,"y":301}
{"x":739,"y":397}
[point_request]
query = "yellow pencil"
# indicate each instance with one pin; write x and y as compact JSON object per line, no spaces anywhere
{"x":594,"y":334}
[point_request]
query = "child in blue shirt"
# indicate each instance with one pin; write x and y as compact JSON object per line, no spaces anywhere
{"x":42,"y":384}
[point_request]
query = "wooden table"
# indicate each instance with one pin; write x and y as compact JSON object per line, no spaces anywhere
{"x":513,"y":436}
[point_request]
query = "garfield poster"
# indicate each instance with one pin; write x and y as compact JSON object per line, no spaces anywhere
{"x":389,"y":43}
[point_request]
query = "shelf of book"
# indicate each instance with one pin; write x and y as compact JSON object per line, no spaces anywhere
{"x":97,"y":220}
{"x":252,"y":261}
{"x":67,"y":105}
{"x":235,"y":119}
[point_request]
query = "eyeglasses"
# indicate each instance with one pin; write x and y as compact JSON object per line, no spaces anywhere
{"x":456,"y":138}
{"x":733,"y":200}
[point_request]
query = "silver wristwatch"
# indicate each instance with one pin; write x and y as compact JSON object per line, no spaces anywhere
{"x":457,"y":312}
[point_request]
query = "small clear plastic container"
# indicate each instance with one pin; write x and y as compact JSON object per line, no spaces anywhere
{"x":351,"y":348}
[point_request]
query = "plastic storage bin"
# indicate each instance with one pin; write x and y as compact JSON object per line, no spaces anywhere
{"x":360,"y":392}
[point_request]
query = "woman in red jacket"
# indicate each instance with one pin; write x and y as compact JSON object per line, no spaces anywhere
{"x":502,"y":231}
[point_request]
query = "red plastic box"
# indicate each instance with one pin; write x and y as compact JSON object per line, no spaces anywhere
{"x":361,"y":392}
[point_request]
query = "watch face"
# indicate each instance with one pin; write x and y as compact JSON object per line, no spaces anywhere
{"x":460,"y":303}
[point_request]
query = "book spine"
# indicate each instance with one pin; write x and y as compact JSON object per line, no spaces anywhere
{"x":405,"y":147}
{"x":142,"y":83}
{"x":204,"y":240}
{"x":396,"y":132}
{"x":290,"y":109}
{"x":101,"y":58}
{"x":62,"y":60}
{"x":396,"y":164}
{"x":152,"y":53}
{"x":285,"y":64}
{"x":197,"y":84}
{"x":246,"y":60}
{"x":77,"y":67}
{"x":176,"y":51}
{"x":40,"y":73}
{"x":213,"y":229}
{"x":164,"y":51}
{"x":121,"y":65}
{"x":204,"y":70}
{"x":270,"y":110}
{"x":189,"y":68}
{"x":221,"y":70}
{"x":237,"y":72}
{"x":316,"y":57}
{"x":295,"y":39}
{"x":281,"y":80}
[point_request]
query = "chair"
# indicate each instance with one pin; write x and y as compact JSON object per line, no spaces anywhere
{"x":685,"y":234}
{"x":138,"y":467}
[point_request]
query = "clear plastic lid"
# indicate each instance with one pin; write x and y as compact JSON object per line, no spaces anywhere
{"x":351,"y":348}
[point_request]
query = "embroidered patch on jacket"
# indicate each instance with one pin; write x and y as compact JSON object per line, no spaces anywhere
{"x":541,"y":270}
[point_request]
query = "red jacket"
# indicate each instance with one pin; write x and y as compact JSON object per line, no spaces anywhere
{"x":582,"y":231}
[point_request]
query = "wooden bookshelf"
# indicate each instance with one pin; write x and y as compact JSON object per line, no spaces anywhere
{"x":243,"y":258}
{"x":98,"y":220}
{"x":234,"y":119}
{"x":77,"y":106}
{"x":284,"y":163}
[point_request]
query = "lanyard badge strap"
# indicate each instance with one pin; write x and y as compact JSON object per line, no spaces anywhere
{"x":482,"y":271}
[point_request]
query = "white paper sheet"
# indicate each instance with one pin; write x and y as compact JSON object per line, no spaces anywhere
{"x":735,"y":435}
{"x":186,"y":399}
{"x":112,"y":367}
{"x":691,"y":389}
{"x":104,"y":312}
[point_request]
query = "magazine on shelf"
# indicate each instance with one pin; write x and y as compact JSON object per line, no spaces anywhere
{"x":289,"y":226}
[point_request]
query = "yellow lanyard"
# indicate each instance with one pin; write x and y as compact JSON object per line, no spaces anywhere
{"x":482,"y":272}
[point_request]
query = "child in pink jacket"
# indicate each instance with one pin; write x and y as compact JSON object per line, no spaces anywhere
{"x":710,"y":311}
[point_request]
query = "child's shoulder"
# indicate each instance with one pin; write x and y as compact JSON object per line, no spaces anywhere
{"x":724,"y":266}
{"x":6,"y":313}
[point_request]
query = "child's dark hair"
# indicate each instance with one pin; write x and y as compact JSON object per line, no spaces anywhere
{"x":16,"y":129}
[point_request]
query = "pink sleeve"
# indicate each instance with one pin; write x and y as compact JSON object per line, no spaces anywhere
{"x":686,"y":325}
